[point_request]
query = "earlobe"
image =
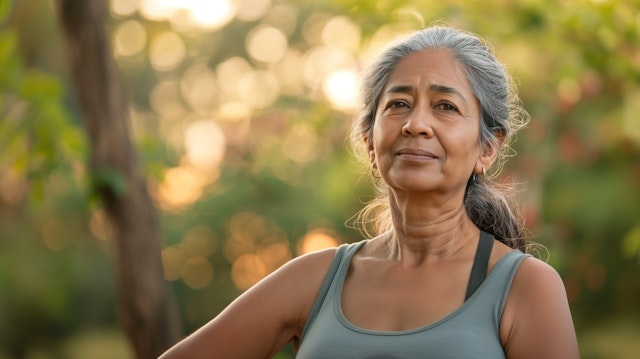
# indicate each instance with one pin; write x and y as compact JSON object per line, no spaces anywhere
{"x":372,"y":158}
{"x":371,"y":152}
{"x":488,"y":156}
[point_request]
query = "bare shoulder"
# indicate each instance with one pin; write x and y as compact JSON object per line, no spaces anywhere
{"x":538,"y":275}
{"x":537,"y":320}
{"x":297,"y":283}
{"x":303,"y":274}
{"x":264,"y":318}
{"x":317,"y":261}
{"x":536,"y":285}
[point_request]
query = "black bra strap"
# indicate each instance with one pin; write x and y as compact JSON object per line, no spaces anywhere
{"x":480,"y":263}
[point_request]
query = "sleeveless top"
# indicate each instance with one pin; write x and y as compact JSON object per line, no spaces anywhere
{"x":471,"y":331}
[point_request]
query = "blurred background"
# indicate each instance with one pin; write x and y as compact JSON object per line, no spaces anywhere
{"x":239,"y":110}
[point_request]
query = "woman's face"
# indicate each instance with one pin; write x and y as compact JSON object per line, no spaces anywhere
{"x":426,"y":130}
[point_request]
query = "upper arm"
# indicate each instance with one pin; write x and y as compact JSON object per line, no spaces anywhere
{"x":537,"y":322}
{"x":264,"y":318}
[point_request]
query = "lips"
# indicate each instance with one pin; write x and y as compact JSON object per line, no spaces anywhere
{"x":416,"y":154}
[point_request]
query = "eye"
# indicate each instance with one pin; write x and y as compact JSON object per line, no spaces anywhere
{"x":397,"y":104}
{"x":446,"y":106}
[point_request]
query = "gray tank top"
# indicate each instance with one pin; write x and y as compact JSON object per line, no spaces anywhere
{"x":471,"y":331}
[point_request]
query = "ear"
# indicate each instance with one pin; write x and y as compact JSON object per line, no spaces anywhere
{"x":489,"y":153}
{"x":371,"y":152}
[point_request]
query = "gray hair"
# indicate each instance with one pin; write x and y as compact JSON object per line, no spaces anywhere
{"x":501,"y":116}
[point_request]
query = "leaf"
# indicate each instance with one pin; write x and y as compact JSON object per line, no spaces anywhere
{"x":5,"y":9}
{"x":631,"y":242}
{"x":109,"y":179}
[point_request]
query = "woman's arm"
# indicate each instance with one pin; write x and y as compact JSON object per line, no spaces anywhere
{"x":536,"y":322}
{"x":263,"y":319}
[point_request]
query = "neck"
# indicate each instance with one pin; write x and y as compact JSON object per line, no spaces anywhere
{"x":427,"y":228}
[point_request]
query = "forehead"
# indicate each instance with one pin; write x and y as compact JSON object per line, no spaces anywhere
{"x":429,"y":67}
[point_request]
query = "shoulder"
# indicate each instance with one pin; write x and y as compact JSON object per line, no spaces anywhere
{"x":301,"y":278}
{"x":264,"y":318}
{"x":294,"y":287}
{"x":535,"y":278}
{"x":302,"y":272}
{"x":536,"y":282}
{"x":310,"y":264}
{"x":536,"y":318}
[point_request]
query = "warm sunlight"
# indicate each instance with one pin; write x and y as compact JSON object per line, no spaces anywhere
{"x":315,"y":241}
{"x":129,"y":38}
{"x":167,"y":51}
{"x":205,"y":145}
{"x":341,"y":32}
{"x":340,"y":87}
{"x":180,"y":188}
{"x":266,"y":44}
{"x":209,"y":15}
{"x":300,"y":143}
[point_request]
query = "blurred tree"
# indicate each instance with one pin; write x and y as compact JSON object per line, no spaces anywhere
{"x":147,"y":311}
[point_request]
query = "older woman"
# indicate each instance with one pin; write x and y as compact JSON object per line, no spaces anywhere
{"x":447,"y":274}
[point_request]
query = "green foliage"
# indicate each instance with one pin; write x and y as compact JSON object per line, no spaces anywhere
{"x":36,"y":135}
{"x":631,"y":243}
{"x":109,"y":179}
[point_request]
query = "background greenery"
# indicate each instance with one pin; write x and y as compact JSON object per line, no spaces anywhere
{"x":246,"y":156}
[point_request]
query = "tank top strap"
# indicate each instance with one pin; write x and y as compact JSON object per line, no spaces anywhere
{"x":343,"y":255}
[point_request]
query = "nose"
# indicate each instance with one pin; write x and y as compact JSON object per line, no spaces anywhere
{"x":418,"y":123}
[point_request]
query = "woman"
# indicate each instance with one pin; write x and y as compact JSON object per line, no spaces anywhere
{"x":446,"y":276}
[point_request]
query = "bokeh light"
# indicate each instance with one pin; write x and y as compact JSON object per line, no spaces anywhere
{"x":130,"y":38}
{"x":341,"y":89}
{"x":266,"y":44}
{"x":208,"y":15}
{"x":282,"y":16}
{"x":197,"y":272}
{"x":247,"y":270}
{"x":260,"y":89}
{"x":167,"y":51}
{"x":155,"y":10}
{"x":256,"y":246}
{"x":123,"y":7}
{"x":301,"y":143}
{"x":341,"y":32}
{"x":316,"y":240}
{"x":251,"y":10}
{"x":188,"y":260}
{"x":289,"y":71}
{"x":198,"y":87}
{"x":180,"y":187}
{"x":569,"y":92}
{"x":320,"y":61}
{"x":233,"y":112}
{"x":205,"y":145}
{"x":165,"y":96}
{"x":229,"y":73}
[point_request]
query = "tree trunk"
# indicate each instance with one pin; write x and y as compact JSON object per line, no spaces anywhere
{"x":147,"y":313}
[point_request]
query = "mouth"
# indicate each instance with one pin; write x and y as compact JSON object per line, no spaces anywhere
{"x":415,"y":154}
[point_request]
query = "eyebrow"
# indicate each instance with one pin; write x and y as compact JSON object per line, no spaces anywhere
{"x":435,"y":88}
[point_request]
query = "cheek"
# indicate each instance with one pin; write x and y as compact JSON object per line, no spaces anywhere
{"x":462,"y":144}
